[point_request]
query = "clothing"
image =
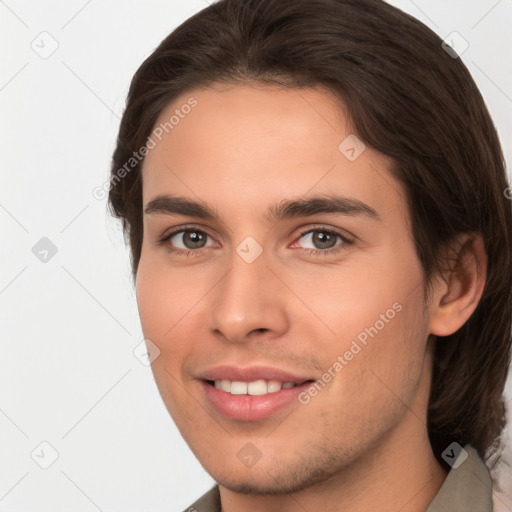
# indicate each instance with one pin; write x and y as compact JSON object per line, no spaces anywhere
{"x":466,"y":488}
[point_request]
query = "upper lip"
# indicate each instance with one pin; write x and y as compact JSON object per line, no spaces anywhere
{"x":251,"y":374}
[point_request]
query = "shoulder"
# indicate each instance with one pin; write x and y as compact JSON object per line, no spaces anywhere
{"x":208,"y":502}
{"x":468,"y":485}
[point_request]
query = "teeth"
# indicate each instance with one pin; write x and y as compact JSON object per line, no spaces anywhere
{"x":256,"y":388}
{"x":225,"y":385}
{"x":273,"y":386}
{"x":238,"y":388}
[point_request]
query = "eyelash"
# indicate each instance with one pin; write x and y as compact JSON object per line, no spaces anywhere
{"x":311,"y":252}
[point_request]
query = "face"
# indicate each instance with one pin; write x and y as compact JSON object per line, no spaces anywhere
{"x":278,"y":279}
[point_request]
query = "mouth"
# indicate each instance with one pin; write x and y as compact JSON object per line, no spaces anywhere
{"x":250,"y":394}
{"x":254,"y":388}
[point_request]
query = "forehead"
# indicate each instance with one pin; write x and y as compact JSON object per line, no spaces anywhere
{"x":244,"y":147}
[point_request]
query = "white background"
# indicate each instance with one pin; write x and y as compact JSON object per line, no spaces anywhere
{"x":69,"y":326}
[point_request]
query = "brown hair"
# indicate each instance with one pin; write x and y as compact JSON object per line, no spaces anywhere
{"x":406,"y":97}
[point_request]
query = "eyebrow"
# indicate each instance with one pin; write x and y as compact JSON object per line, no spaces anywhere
{"x":286,"y":209}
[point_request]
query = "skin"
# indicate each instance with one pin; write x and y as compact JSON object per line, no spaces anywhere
{"x":362,"y":443}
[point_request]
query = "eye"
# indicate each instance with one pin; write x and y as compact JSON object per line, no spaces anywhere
{"x":186,"y":240}
{"x":189,"y":239}
{"x":323,"y":241}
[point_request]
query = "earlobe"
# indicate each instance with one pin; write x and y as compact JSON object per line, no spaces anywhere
{"x":456,"y":297}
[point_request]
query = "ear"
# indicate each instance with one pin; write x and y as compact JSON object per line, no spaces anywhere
{"x":456,"y":297}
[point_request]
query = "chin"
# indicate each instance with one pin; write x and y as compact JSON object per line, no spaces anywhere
{"x":276,"y":479}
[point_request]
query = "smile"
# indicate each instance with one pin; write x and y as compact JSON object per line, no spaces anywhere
{"x":254,"y":388}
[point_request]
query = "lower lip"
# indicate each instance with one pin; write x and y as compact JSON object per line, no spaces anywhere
{"x":249,"y":407}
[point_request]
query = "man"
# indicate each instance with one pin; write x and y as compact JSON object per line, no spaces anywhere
{"x":314,"y":195}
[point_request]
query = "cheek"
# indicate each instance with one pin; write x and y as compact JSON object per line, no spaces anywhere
{"x":171,"y":304}
{"x":354,"y":299}
{"x":164,"y":297}
{"x":155,"y":301}
{"x":386,"y":358}
{"x":163,"y":300}
{"x":378,"y":327}
{"x":160,"y":309}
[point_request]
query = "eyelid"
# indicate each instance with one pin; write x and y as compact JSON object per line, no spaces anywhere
{"x":185,"y":227}
{"x":345,"y":235}
{"x":165,"y":240}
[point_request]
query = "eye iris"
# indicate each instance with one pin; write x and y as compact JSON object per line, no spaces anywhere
{"x":324,"y":240}
{"x":194,"y":239}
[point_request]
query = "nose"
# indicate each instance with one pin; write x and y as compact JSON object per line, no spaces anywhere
{"x":248,"y":302}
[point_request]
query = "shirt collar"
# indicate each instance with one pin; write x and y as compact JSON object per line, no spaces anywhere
{"x":467,"y":487}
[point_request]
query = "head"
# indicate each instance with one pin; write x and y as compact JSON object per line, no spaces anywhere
{"x":259,"y":111}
